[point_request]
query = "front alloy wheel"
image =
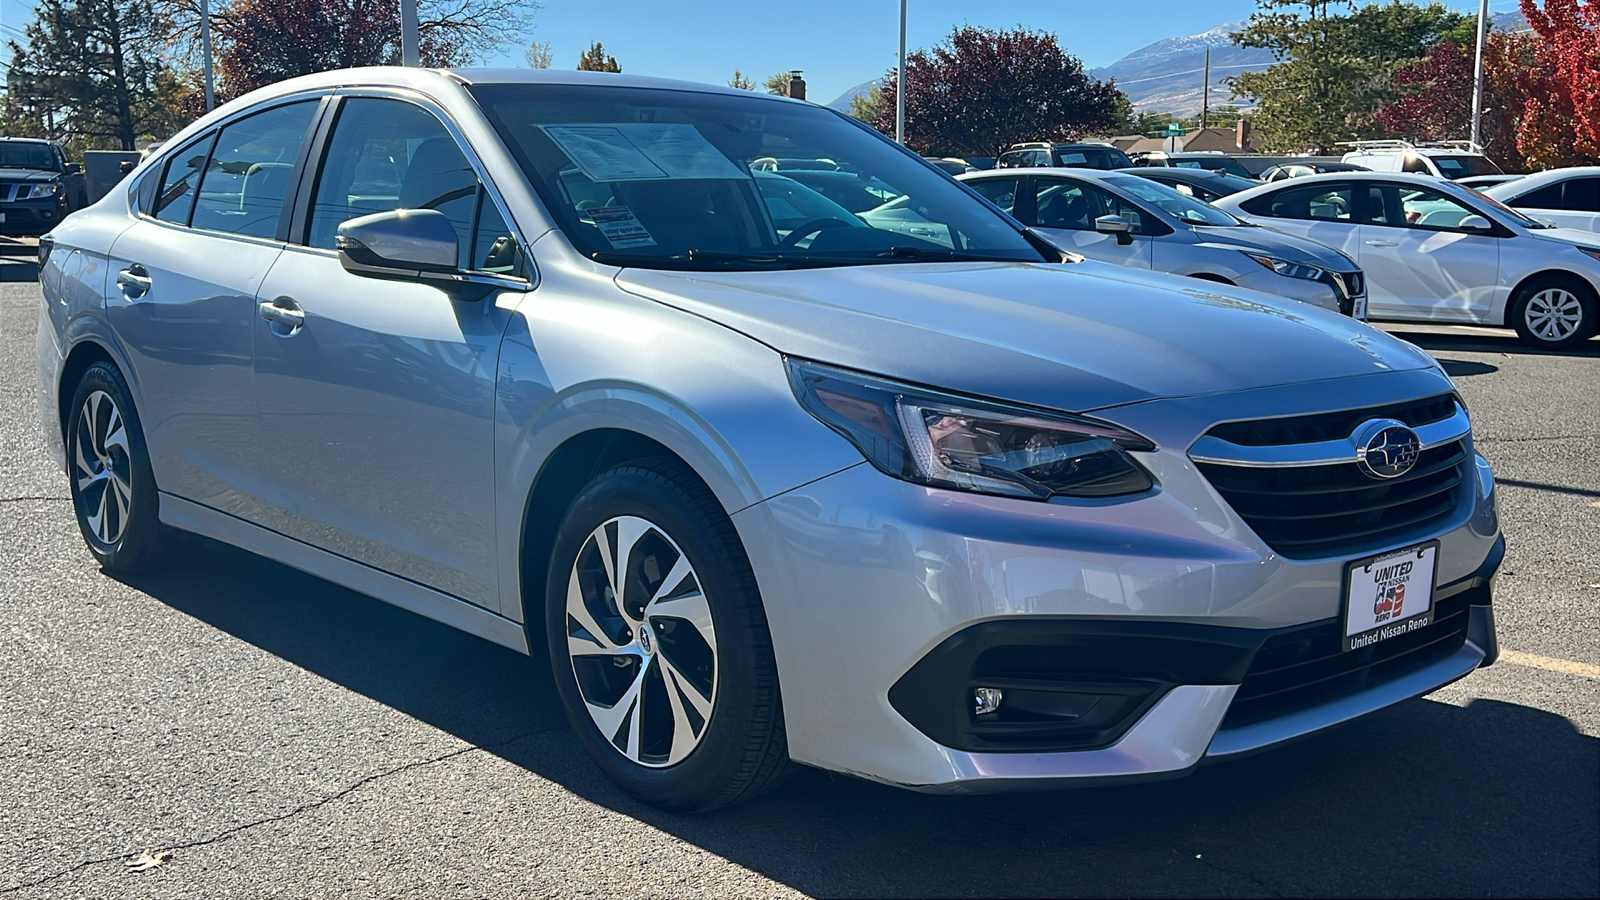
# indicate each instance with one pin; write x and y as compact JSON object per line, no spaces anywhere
{"x":1555,"y":313}
{"x":641,"y":642}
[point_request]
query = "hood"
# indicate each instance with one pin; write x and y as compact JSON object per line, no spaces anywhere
{"x":1275,"y":243}
{"x":1072,"y":337}
{"x":12,"y":174}
{"x":1571,"y":236}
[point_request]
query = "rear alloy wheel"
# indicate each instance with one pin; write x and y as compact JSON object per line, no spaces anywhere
{"x":1555,"y":314}
{"x":659,"y":643}
{"x":113,"y":490}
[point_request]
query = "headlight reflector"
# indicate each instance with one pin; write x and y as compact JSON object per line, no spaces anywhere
{"x":1288,"y":269}
{"x":939,"y":439}
{"x":47,"y":189}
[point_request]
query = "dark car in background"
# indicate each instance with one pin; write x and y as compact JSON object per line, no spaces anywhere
{"x":1300,"y":169}
{"x":1072,"y":156}
{"x":1211,"y":160}
{"x":1201,"y":184}
{"x":38,"y":187}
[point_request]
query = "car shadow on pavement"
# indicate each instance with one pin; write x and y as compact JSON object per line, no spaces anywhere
{"x":1486,"y":341}
{"x":1424,"y":799}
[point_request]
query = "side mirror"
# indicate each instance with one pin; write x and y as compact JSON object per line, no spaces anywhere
{"x":414,"y":245}
{"x":1475,"y":223}
{"x":1116,"y":225}
{"x":72,"y":168}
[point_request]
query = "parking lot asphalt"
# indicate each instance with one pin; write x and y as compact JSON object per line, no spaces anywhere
{"x":282,"y":737}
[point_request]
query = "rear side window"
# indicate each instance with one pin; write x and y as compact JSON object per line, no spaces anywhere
{"x":1002,"y":192}
{"x":252,"y":170}
{"x":175,"y":199}
{"x":1333,"y":202}
{"x":1416,"y":165}
{"x":1577,"y":195}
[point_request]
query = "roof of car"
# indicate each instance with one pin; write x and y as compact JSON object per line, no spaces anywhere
{"x":27,"y":140}
{"x":1430,"y":182}
{"x":1519,"y":186}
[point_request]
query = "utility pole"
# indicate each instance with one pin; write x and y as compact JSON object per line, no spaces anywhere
{"x":1477,"y":71}
{"x":410,"y":50}
{"x":900,"y":83}
{"x":1205,"y":90}
{"x":205,"y":53}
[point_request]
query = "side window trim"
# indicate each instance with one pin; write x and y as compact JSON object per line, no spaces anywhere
{"x":291,"y":212}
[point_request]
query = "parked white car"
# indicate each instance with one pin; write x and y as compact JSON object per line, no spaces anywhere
{"x":1133,"y":221}
{"x":1434,"y":251}
{"x":1569,"y":198}
{"x":1441,"y":159}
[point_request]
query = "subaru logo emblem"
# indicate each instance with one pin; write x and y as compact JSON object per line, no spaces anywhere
{"x":1386,"y":448}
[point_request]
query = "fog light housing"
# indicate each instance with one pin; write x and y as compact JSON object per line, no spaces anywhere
{"x":986,"y":700}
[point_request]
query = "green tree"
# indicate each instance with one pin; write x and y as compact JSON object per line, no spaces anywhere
{"x":741,"y":81}
{"x":1336,"y":65}
{"x":777,"y":85}
{"x":90,"y":72}
{"x":595,"y":60}
{"x":868,"y":106}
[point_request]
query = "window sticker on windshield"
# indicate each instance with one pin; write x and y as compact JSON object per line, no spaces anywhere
{"x":1068,"y":159}
{"x":603,"y":153}
{"x":640,"y":151}
{"x":621,"y":227}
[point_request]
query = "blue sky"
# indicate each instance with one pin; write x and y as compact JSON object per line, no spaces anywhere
{"x":838,"y":43}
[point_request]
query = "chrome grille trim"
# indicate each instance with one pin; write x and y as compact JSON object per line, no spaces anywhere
{"x":1215,"y":450}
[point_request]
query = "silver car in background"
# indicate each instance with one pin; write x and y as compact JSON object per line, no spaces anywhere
{"x":536,"y":354}
{"x":1133,"y":221}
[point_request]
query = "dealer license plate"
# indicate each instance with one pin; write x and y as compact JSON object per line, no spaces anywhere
{"x":1389,"y":595}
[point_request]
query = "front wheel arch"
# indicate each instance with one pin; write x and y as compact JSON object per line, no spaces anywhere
{"x":1216,"y":279}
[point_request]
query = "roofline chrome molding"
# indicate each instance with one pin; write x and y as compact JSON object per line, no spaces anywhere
{"x":1215,"y":450}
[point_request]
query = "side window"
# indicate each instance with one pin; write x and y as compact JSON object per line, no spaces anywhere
{"x":1009,"y":160}
{"x":175,"y":199}
{"x":1581,"y":195}
{"x":1416,"y":165}
{"x":1431,"y":210}
{"x":494,"y":248}
{"x":1074,"y":205}
{"x":1321,"y":201}
{"x":1002,"y":192}
{"x":389,"y":154}
{"x":1547,"y":197}
{"x":252,"y":171}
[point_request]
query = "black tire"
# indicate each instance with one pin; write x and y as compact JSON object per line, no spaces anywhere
{"x":741,"y":750}
{"x":1530,"y":301}
{"x":122,"y":543}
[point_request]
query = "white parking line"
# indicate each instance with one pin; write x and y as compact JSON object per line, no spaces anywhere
{"x":1564,"y":666}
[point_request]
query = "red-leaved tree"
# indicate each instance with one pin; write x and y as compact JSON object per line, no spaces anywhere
{"x":1435,"y":97}
{"x":1565,"y":105}
{"x":982,"y":90}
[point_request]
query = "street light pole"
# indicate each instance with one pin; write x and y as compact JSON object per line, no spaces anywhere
{"x":1477,"y":71}
{"x":410,"y":49}
{"x":900,"y":83}
{"x":205,"y":54}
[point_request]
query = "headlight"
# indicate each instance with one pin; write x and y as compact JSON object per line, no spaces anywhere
{"x":934,"y":438}
{"x":1592,"y":254}
{"x":42,"y":190}
{"x":1289,"y":269}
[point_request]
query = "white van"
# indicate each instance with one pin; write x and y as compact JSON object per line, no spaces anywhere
{"x":1441,"y":159}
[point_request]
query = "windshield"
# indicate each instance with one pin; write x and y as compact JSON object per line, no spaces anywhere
{"x":27,"y":155}
{"x":1174,"y":204}
{"x":1453,"y":167}
{"x":674,"y":179}
{"x":1092,"y":158}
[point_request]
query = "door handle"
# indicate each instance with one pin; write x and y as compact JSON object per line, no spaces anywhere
{"x":286,"y":316}
{"x":1382,"y":244}
{"x":134,"y":281}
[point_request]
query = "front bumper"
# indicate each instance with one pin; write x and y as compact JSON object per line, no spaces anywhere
{"x":31,"y":217}
{"x":1316,"y":293}
{"x":867,"y":578}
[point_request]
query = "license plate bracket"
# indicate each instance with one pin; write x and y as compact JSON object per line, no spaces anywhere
{"x":1388,"y":595}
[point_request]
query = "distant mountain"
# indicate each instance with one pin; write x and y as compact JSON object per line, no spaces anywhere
{"x":1166,"y":76}
{"x":843,"y":103}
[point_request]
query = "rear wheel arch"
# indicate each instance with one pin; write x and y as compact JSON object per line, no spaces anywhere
{"x":78,"y":361}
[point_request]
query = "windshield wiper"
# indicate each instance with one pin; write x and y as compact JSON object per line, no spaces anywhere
{"x":722,"y":259}
{"x":932,"y":254}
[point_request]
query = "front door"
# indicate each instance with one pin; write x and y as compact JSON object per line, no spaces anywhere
{"x":181,"y":295}
{"x":1420,"y":264}
{"x":376,"y":425}
{"x":1064,"y":210}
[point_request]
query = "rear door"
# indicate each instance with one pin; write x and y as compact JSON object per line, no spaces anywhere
{"x":1064,"y":209}
{"x":1420,"y":264}
{"x":1322,"y":211}
{"x":375,"y":435}
{"x":1574,"y":203}
{"x":181,"y":295}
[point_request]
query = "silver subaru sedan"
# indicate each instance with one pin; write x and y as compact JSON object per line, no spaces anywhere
{"x":539,"y":356}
